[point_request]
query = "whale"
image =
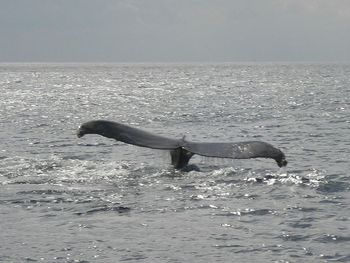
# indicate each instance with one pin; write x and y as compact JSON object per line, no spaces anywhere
{"x":182,"y":150}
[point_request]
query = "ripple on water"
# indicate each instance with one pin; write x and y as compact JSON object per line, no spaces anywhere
{"x":56,"y":170}
{"x":68,"y":201}
{"x":334,"y":186}
{"x":312,"y":178}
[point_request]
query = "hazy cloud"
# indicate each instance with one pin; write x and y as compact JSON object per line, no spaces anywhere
{"x":174,"y":30}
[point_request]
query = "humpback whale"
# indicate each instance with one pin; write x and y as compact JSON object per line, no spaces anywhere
{"x":182,"y":150}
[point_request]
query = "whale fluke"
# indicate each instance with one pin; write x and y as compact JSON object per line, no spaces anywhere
{"x":182,"y":150}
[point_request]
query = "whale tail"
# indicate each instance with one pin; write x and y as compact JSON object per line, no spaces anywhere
{"x":180,"y":157}
{"x":181,"y":150}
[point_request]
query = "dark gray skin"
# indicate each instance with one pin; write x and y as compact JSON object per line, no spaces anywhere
{"x":181,"y":150}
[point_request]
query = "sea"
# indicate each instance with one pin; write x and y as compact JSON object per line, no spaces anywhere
{"x":94,"y":199}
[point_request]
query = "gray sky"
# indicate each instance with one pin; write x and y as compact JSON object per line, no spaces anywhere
{"x":174,"y":30}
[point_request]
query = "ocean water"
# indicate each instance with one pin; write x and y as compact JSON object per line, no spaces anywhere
{"x":64,"y":199}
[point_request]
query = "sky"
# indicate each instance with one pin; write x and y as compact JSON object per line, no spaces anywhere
{"x":174,"y":30}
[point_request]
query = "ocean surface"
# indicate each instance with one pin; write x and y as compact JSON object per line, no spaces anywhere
{"x":93,"y":199}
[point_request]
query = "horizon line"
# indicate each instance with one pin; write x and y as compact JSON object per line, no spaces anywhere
{"x":183,"y":62}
